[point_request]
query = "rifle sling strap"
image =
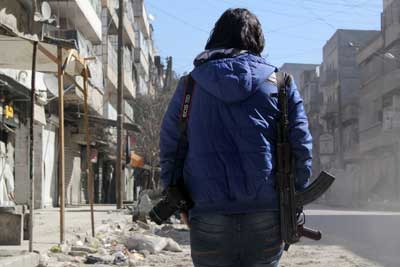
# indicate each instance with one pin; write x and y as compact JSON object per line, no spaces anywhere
{"x":184,"y":113}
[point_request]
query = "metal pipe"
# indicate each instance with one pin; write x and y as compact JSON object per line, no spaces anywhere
{"x":88,"y":161}
{"x":31,"y":152}
{"x":61,"y":167}
{"x":120,"y":117}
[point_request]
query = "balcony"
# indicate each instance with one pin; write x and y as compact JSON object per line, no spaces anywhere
{"x":128,"y":32}
{"x":141,"y":55}
{"x":83,"y":15}
{"x":95,"y":98}
{"x":112,"y":71}
{"x":130,"y":90}
{"x":128,"y":112}
{"x":141,"y":14}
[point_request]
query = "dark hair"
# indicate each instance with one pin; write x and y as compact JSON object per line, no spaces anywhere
{"x":237,"y":28}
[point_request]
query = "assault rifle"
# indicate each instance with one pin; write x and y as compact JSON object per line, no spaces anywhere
{"x":291,"y":201}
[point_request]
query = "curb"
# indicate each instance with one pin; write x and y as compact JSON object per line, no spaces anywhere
{"x":26,"y":260}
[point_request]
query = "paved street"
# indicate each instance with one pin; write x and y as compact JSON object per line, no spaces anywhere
{"x":373,"y":235}
{"x":351,"y":238}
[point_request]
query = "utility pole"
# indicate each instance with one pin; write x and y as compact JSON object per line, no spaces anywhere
{"x":31,"y":144}
{"x":89,"y":171}
{"x":120,"y":116}
{"x":168,"y":74}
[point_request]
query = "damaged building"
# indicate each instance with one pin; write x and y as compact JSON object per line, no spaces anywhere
{"x":379,"y":62}
{"x":90,"y":27}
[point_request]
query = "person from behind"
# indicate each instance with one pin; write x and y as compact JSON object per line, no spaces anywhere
{"x":230,"y":164}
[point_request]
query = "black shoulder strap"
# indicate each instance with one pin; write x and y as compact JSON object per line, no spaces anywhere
{"x":182,"y":147}
{"x":186,"y":103}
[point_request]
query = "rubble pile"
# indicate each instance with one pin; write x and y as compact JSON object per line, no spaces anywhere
{"x":122,"y":243}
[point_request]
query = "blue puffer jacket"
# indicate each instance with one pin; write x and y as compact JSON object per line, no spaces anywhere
{"x":230,"y":163}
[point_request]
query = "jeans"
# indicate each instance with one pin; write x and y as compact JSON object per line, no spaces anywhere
{"x":239,"y":240}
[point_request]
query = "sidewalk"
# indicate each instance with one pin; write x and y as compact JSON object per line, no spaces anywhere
{"x":46,"y":231}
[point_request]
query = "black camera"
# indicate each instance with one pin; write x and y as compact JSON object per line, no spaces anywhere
{"x":176,"y":198}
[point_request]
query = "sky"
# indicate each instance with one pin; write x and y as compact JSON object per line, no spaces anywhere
{"x":295,"y":30}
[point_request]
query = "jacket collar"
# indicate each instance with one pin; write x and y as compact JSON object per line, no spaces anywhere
{"x":213,"y":54}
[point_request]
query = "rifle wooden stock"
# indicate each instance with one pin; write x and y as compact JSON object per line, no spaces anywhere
{"x":309,"y":233}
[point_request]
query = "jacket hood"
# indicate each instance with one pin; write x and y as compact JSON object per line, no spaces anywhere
{"x":232,"y":79}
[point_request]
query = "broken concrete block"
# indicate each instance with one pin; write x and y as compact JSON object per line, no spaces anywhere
{"x":120,"y":258}
{"x":14,"y":225}
{"x":153,"y":244}
{"x":145,"y":204}
{"x":84,"y":249}
{"x":78,"y":253}
{"x":173,"y":246}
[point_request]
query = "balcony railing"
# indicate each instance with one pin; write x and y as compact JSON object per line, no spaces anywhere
{"x":141,"y":13}
{"x":83,"y":14}
{"x":112,"y":58}
{"x":129,"y":19}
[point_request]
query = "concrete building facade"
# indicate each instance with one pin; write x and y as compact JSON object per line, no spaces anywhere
{"x":312,"y":99}
{"x":91,"y":27}
{"x":340,"y":87}
{"x":380,"y":110}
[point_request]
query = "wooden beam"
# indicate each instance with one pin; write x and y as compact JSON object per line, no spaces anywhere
{"x":61,"y":168}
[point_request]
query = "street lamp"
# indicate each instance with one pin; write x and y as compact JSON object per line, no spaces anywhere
{"x":386,"y":55}
{"x":389,"y":55}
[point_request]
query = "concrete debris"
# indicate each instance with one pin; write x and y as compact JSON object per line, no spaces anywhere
{"x":153,"y":244}
{"x":172,"y":246}
{"x":78,"y":253}
{"x":145,"y":205}
{"x":84,"y":249}
{"x":143,"y":225}
{"x":44,"y":260}
{"x":93,"y":259}
{"x":115,"y":244}
{"x":120,"y":258}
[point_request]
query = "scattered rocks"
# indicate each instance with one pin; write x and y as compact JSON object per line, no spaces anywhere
{"x":44,"y":260}
{"x":120,"y":258}
{"x":121,"y":243}
{"x":83,"y":249}
{"x":78,"y":253}
{"x":143,"y":225}
{"x":62,"y":257}
{"x":153,"y":244}
{"x":93,"y":259}
{"x":144,"y":207}
{"x":172,"y":246}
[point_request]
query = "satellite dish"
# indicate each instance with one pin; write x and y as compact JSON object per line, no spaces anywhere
{"x":45,"y":15}
{"x":46,"y":11}
{"x":51,"y":82}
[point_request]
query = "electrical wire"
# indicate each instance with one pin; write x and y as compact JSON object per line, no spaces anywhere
{"x":317,"y":16}
{"x":184,"y":22}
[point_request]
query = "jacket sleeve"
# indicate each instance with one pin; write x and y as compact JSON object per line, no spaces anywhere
{"x":169,"y":135}
{"x":300,"y":138}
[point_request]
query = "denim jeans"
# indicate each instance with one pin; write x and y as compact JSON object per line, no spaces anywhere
{"x":239,"y":240}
